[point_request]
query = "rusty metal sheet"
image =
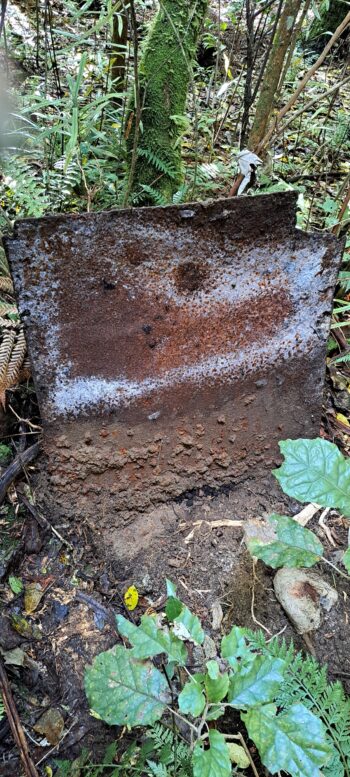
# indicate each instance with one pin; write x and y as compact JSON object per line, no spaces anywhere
{"x":172,"y":347}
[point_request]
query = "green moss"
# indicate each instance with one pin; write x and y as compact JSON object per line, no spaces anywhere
{"x":164,"y":75}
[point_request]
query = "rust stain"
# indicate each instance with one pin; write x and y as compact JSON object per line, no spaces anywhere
{"x":171,"y":347}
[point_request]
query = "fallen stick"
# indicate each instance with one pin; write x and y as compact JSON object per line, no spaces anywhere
{"x":16,"y":467}
{"x":15,"y":724}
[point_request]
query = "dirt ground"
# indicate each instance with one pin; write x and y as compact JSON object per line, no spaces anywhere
{"x":84,"y":587}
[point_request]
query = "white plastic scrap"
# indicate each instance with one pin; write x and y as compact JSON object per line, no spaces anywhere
{"x":247,"y":163}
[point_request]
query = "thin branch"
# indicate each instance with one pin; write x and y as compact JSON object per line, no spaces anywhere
{"x":310,"y":73}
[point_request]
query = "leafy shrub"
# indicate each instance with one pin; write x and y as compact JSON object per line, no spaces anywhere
{"x":124,"y":687}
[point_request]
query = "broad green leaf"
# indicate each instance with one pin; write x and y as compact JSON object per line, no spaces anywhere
{"x":187,"y":626}
{"x":148,"y":640}
{"x":293,"y":742}
{"x":191,"y":699}
{"x":315,"y":471}
{"x":15,"y":584}
{"x":213,"y":669}
{"x":214,"y":762}
{"x":124,"y":691}
{"x":257,"y":683}
{"x":346,"y":560}
{"x":170,"y":588}
{"x":173,"y":608}
{"x":288,"y":544}
{"x":234,"y":646}
{"x":216,"y":690}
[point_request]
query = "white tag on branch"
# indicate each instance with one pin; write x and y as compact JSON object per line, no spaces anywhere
{"x":248,"y":162}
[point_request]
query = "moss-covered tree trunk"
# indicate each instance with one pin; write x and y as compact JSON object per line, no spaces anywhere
{"x":280,"y":46}
{"x":154,"y":155}
{"x":332,"y":14}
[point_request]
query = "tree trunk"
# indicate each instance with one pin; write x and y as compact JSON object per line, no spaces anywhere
{"x":274,"y":68}
{"x":154,"y":156}
{"x":330,"y":19}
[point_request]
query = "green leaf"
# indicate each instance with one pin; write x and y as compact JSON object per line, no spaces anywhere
{"x":191,"y":699}
{"x":346,"y":560}
{"x":124,"y":691}
{"x":216,"y":690}
{"x":148,"y":640}
{"x":173,"y":608}
{"x":214,"y":762}
{"x":315,"y":471}
{"x":170,"y":588}
{"x":215,"y":712}
{"x":256,"y":683}
{"x":288,"y":545}
{"x":238,"y":755}
{"x":213,"y":669}
{"x":15,"y":584}
{"x":187,"y":626}
{"x":294,"y":741}
{"x":234,"y":646}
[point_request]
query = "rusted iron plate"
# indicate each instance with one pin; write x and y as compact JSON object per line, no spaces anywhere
{"x":172,"y":347}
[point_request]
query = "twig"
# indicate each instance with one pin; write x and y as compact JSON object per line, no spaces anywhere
{"x":15,"y":724}
{"x":25,"y":420}
{"x":310,"y":73}
{"x":16,"y":467}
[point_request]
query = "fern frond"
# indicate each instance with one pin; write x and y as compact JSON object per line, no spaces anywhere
{"x":152,"y":193}
{"x":344,"y":280}
{"x":8,"y":340}
{"x":345,"y":358}
{"x":157,"y":770}
{"x":6,"y":308}
{"x":159,"y":164}
{"x":16,"y":360}
{"x":6,"y":284}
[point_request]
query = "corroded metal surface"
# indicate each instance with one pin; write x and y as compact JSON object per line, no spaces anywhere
{"x":172,"y":347}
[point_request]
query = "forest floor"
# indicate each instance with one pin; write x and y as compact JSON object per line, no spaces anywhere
{"x":47,"y":640}
{"x":48,"y":635}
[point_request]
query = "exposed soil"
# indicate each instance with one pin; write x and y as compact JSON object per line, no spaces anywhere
{"x":84,"y":590}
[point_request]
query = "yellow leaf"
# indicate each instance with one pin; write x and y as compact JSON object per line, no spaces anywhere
{"x":131,"y":597}
{"x":342,"y":419}
{"x":238,"y":755}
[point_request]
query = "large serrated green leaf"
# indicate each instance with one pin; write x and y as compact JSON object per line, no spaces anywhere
{"x":191,"y":699}
{"x":293,"y":742}
{"x":187,"y":626}
{"x":214,"y":762}
{"x":315,"y":471}
{"x":292,"y":545}
{"x":256,"y":683}
{"x":124,"y":691}
{"x":148,"y":640}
